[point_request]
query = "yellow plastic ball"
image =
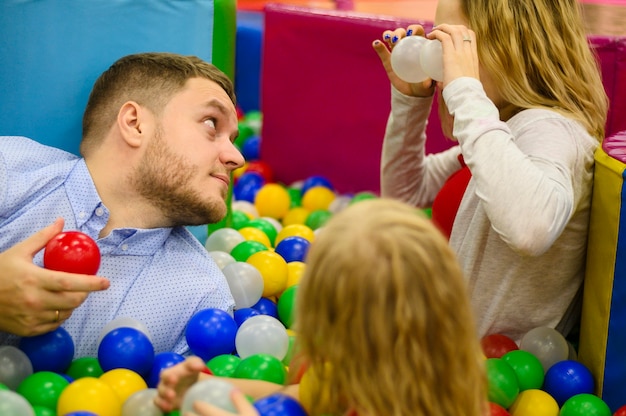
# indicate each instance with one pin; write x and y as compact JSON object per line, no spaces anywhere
{"x":534,"y":402}
{"x":124,"y":382}
{"x":273,"y":269}
{"x":296,"y":215}
{"x":89,"y":394}
{"x":272,"y":200}
{"x":295,"y":270}
{"x":240,"y":171}
{"x":318,"y":197}
{"x":295,"y":230}
{"x":255,"y":234}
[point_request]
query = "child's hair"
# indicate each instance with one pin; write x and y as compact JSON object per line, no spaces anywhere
{"x":384,"y":319}
{"x":538,"y":55}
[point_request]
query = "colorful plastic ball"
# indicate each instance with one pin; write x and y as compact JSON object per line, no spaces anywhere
{"x":318,"y":198}
{"x":255,"y":234}
{"x":262,"y":367}
{"x":266,"y":306}
{"x":585,"y":405}
{"x":12,"y":403}
{"x":211,"y":332}
{"x":502,"y":382}
{"x":293,"y":248}
{"x":52,"y":351}
{"x":254,"y":118}
{"x":213,"y":391}
{"x":224,"y":365}
{"x":527,"y":367}
{"x":272,"y":200}
{"x":287,"y":306}
{"x":534,"y":403}
{"x":266,"y":226}
{"x":43,"y":388}
{"x":318,"y":218}
{"x":141,"y":403}
{"x":313,"y":181}
{"x":363,"y":196}
{"x":244,"y":313}
{"x":296,"y":215}
{"x":245,"y":131}
{"x":339,"y":203}
{"x":262,"y":168}
{"x":247,"y":208}
{"x":262,"y":334}
{"x":162,"y":361}
{"x":85,"y":367}
{"x":221,"y":258}
{"x":247,"y":186}
{"x":127,"y":348}
{"x":496,"y":345}
{"x":566,"y":379}
{"x":295,"y":195}
{"x":295,"y":230}
{"x":497,"y":410}
{"x":547,"y":344}
{"x":278,"y":404}
{"x":15,"y":366}
{"x":295,"y":271}
{"x":223,"y":239}
{"x":124,"y":382}
{"x":90,"y":395}
{"x":124,"y":322}
{"x":273,"y":269}
{"x":251,"y":149}
{"x":240,"y":218}
{"x":245,"y":282}
{"x":44,"y":411}
{"x":243,"y":250}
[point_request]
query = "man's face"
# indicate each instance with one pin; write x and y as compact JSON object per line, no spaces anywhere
{"x":185,"y":170}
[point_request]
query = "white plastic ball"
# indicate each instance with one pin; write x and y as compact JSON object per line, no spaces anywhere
{"x":431,"y":59}
{"x":222,"y":258}
{"x":245,"y":282}
{"x":213,"y":391}
{"x":405,"y":59}
{"x":124,"y":322}
{"x":223,"y":239}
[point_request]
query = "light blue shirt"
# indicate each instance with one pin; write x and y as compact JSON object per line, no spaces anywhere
{"x":160,"y":277}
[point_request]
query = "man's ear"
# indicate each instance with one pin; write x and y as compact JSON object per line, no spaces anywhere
{"x":131,"y":123}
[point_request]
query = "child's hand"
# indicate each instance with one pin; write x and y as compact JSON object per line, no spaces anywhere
{"x":175,"y":381}
{"x":243,"y":406}
{"x":383,"y":49}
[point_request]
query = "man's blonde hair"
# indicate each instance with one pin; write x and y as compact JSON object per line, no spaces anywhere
{"x":149,"y":79}
{"x":384,"y":306}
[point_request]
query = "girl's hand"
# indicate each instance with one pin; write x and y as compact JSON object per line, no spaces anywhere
{"x":243,"y":406}
{"x":383,"y":49}
{"x":460,"y":56}
{"x":175,"y":381}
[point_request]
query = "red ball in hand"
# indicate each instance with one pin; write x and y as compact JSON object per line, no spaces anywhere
{"x":496,"y":345}
{"x":72,"y":252}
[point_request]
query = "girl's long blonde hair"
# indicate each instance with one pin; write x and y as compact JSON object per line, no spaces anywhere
{"x":538,"y":55}
{"x":384,"y":319}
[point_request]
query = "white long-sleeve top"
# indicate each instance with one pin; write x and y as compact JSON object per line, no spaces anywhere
{"x":520,"y":232}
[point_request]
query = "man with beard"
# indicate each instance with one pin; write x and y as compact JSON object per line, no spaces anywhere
{"x":157,"y":153}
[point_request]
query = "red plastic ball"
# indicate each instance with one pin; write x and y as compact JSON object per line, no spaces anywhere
{"x":621,"y":411}
{"x":497,"y":410}
{"x":261,"y":168}
{"x":496,"y":345}
{"x":72,"y":252}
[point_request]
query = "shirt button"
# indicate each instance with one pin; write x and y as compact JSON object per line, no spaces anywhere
{"x":99,"y":211}
{"x":124,"y":247}
{"x":81,"y":215}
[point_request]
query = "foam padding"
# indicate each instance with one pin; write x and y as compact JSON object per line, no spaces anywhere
{"x":52,"y":52}
{"x":603,"y":325}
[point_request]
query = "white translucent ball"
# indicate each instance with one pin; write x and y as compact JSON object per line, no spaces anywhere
{"x":223,"y":239}
{"x":213,"y":391}
{"x":431,"y":58}
{"x":222,"y":258}
{"x":245,"y":283}
{"x":405,"y":59}
{"x":124,"y":322}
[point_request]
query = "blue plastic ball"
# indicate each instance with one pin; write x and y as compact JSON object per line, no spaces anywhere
{"x":162,"y":361}
{"x":293,"y":248}
{"x":266,"y":306}
{"x":566,"y":379}
{"x":244,"y":313}
{"x":316,"y":180}
{"x":211,"y":332}
{"x":251,"y":148}
{"x":248,"y":186}
{"x":279,"y":405}
{"x":128,"y":348}
{"x":52,"y":351}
